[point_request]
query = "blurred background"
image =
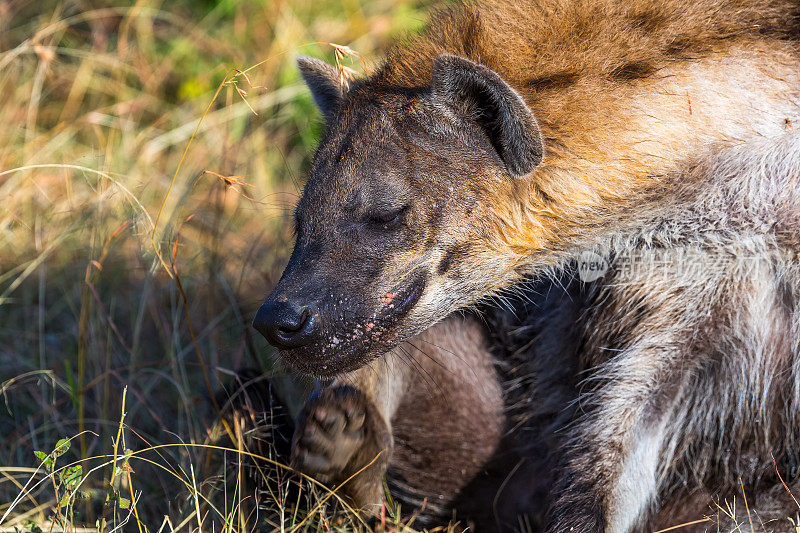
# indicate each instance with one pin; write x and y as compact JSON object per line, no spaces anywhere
{"x":150,"y":156}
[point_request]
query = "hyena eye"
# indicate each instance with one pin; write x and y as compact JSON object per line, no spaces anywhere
{"x":390,"y":218}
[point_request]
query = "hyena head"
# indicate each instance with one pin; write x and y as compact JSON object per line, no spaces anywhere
{"x":393,"y":229}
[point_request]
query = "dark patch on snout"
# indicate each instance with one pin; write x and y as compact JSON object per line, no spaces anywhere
{"x":455,"y":254}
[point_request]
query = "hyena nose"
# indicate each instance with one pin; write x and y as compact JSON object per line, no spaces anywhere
{"x":285,"y":325}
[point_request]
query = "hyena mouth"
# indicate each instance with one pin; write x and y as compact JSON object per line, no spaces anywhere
{"x":353,"y":344}
{"x":398,"y":304}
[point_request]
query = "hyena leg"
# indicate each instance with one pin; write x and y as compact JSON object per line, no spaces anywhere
{"x":450,"y":422}
{"x":343,"y":434}
{"x":342,"y":439}
{"x":609,"y":473}
{"x":431,"y":411}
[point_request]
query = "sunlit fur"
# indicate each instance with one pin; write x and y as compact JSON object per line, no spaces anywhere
{"x":625,"y":93}
{"x":675,"y":376}
{"x":693,"y":342}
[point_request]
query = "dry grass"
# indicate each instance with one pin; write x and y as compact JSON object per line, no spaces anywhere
{"x":131,"y":260}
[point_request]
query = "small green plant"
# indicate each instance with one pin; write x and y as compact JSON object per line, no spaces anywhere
{"x":66,"y":483}
{"x":113,"y":488}
{"x":32,"y":527}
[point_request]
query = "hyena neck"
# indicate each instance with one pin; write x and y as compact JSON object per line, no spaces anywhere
{"x":627,"y":179}
{"x":746,"y":196}
{"x":746,"y":193}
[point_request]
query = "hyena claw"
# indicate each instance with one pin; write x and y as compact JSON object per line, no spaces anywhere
{"x":341,"y":438}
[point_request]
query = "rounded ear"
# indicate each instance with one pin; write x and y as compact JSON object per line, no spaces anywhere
{"x":495,"y":105}
{"x":326,"y":83}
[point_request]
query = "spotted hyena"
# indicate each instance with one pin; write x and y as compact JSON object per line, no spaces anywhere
{"x":511,"y":137}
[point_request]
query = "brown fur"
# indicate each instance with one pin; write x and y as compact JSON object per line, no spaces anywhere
{"x":617,"y":104}
{"x":620,"y":110}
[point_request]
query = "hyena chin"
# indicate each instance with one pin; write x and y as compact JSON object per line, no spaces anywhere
{"x":504,"y":137}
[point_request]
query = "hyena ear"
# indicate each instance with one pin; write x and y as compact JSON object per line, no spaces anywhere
{"x":498,"y":108}
{"x":326,"y":84}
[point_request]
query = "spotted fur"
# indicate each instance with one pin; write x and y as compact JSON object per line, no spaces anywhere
{"x":513,"y":135}
{"x":678,"y":370}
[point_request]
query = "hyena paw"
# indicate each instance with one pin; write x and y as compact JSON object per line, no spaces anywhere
{"x":338,"y":433}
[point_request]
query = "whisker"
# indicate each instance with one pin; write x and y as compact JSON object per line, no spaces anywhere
{"x":430,"y":382}
{"x":454,"y":354}
{"x":432,"y":379}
